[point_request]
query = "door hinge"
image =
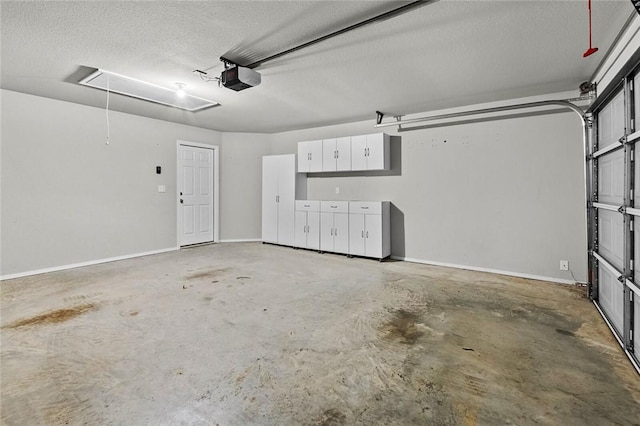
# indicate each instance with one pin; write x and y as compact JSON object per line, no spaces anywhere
{"x":630,"y":84}
{"x":631,"y":264}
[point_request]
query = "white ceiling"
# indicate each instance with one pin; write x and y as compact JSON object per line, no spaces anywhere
{"x":449,"y":53}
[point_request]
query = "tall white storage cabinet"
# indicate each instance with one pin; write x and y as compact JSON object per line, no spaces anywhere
{"x":371,"y":152}
{"x":334,"y":226}
{"x":370,"y":229}
{"x":281,"y":185}
{"x":308,"y":224}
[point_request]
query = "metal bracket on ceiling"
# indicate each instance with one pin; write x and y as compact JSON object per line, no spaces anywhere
{"x":379,"y":117}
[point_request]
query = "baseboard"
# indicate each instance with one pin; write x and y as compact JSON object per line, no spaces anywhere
{"x":81,"y":264}
{"x":250,"y":240}
{"x":492,"y":271}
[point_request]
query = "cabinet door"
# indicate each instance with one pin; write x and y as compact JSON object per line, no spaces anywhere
{"x":315,"y":156}
{"x":326,"y":231}
{"x":358,"y":151}
{"x":269,"y":205}
{"x":313,"y":230}
{"x":329,"y":155}
{"x":343,"y":156}
{"x":303,"y":157}
{"x":286,"y":199}
{"x":375,"y":152}
{"x":373,"y":235}
{"x":301,"y":229}
{"x":356,"y":234}
{"x":341,"y":232}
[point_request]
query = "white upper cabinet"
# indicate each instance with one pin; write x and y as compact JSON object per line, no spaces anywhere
{"x":336,"y":154}
{"x":364,"y":152}
{"x":309,"y":156}
{"x":370,"y":152}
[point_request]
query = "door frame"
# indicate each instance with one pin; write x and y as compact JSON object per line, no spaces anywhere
{"x":216,"y":187}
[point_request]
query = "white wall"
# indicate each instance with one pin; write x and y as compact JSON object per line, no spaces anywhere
{"x":241,"y":185}
{"x":69,"y":198}
{"x":505,"y":195}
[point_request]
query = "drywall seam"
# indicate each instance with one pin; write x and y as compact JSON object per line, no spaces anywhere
{"x":88,"y":263}
{"x":489,"y":270}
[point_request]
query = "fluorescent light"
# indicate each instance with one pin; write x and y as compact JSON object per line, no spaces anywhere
{"x":106,"y":80}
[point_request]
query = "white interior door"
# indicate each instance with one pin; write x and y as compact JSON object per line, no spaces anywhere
{"x":195,"y":192}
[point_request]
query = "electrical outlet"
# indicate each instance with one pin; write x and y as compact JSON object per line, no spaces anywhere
{"x":564,"y":265}
{"x":162,"y":188}
{"x":337,"y":189}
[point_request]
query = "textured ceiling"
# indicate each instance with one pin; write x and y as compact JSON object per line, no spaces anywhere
{"x":449,"y":53}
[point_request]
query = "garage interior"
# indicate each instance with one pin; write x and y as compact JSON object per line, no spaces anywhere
{"x":506,"y":293}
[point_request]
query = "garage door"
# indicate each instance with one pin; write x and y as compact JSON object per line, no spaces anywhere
{"x":614,"y":166}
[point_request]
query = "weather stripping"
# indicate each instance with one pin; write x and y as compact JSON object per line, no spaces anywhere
{"x":116,"y":83}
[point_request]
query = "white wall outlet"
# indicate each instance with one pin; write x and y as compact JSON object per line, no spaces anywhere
{"x":162,"y":188}
{"x":564,"y":265}
{"x":337,"y":189}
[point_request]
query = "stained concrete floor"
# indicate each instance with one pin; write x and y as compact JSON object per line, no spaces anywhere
{"x":246,"y":333}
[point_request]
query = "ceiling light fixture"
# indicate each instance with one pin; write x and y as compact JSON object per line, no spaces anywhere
{"x":116,"y":83}
{"x":180,"y":91}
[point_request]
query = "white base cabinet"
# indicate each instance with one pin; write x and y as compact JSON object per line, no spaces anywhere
{"x":334,"y":226}
{"x":281,"y":185}
{"x":370,"y":229}
{"x":357,"y":228}
{"x":307,"y":231}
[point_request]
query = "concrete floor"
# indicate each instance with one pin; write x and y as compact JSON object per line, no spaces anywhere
{"x":246,"y":333}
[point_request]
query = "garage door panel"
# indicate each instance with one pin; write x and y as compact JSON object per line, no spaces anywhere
{"x":611,"y":297}
{"x":611,"y":237}
{"x":611,"y":121}
{"x":611,"y":178}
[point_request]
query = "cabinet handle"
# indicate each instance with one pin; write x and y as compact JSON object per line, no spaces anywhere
{"x":336,"y":233}
{"x":362,"y":234}
{"x":364,"y":208}
{"x":332,"y":232}
{"x":307,"y":205}
{"x":334,"y":207}
{"x":367,"y":234}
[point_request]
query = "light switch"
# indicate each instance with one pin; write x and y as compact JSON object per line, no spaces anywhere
{"x":162,"y":188}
